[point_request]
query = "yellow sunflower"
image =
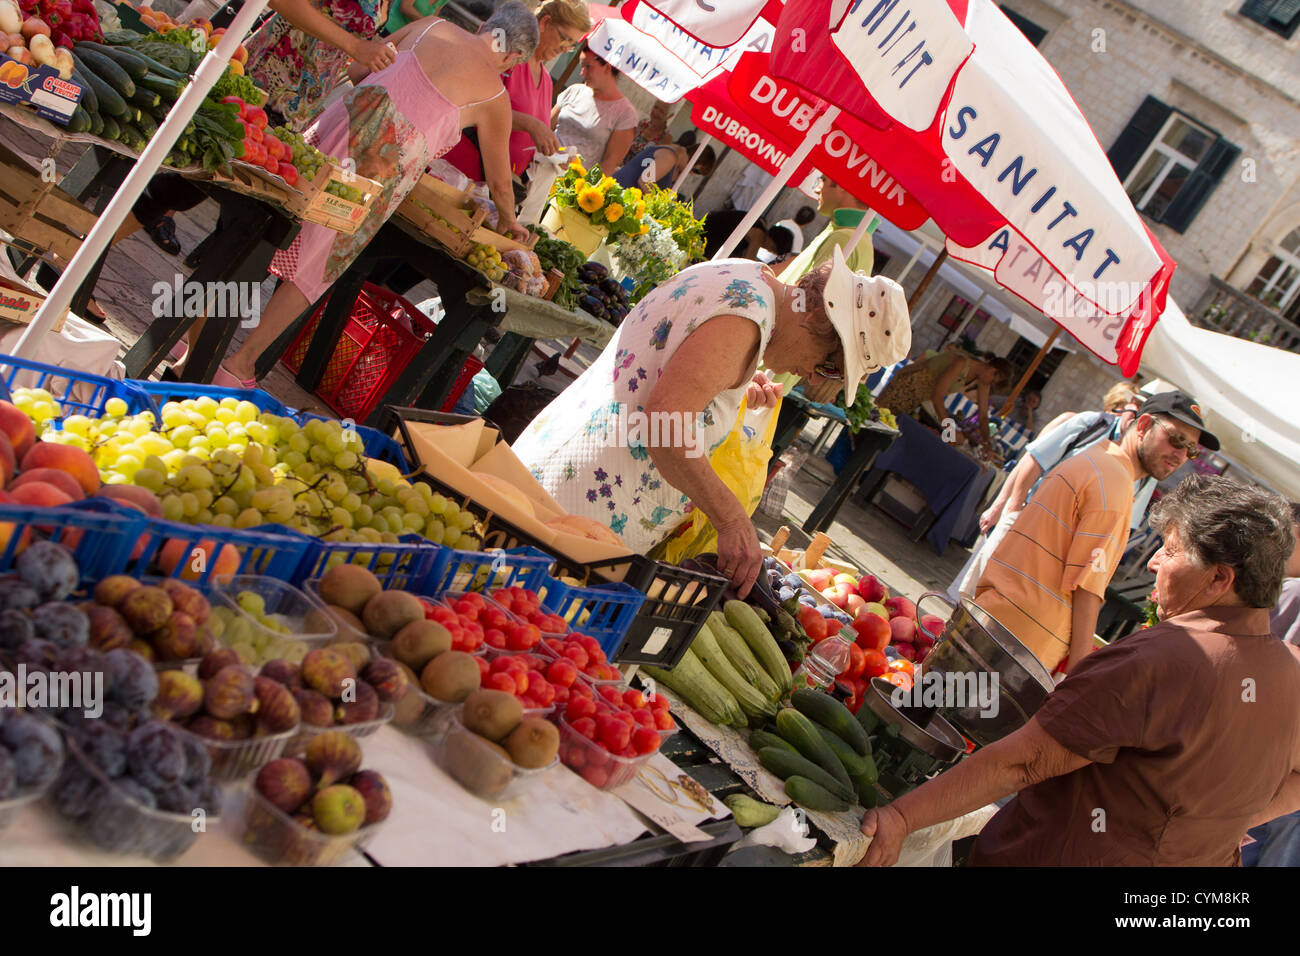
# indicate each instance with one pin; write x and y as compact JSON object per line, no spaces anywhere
{"x":632,"y":194}
{"x":590,"y":198}
{"x":576,"y":165}
{"x":640,"y":208}
{"x":645,"y":227}
{"x":608,"y":182}
{"x":614,"y":213}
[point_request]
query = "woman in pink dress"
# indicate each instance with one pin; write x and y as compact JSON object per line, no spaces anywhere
{"x":391,"y":126}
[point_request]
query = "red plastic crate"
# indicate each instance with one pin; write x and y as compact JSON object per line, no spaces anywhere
{"x":382,"y":335}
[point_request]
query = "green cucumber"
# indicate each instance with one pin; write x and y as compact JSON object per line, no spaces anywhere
{"x":159,"y":68}
{"x":111,"y":130}
{"x":144,"y":99}
{"x":169,"y":89}
{"x":110,"y":101}
{"x":148,"y":126}
{"x":830,"y":713}
{"x":96,"y":124}
{"x":799,"y":730}
{"x":130,"y":63}
{"x":810,"y":796}
{"x":866,"y":787}
{"x":88,"y":98}
{"x":107,"y":70}
{"x":79,"y":121}
{"x":760,"y":640}
{"x":758,"y":739}
{"x":786,"y":765}
{"x":853,"y":763}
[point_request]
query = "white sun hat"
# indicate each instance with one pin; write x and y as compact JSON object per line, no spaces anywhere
{"x":870,"y":314}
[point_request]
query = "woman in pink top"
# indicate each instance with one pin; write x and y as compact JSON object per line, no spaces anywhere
{"x":561,"y":25}
{"x":392,"y":125}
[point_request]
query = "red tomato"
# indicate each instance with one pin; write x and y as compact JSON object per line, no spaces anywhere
{"x":659,"y":702}
{"x":859,"y":694}
{"x":857,"y":662}
{"x":852,"y":701}
{"x":574,"y":757}
{"x":520,"y":637}
{"x":903,"y":665}
{"x":814,"y":624}
{"x":443,"y":615}
{"x":613,"y":734}
{"x":552,"y":624}
{"x":561,"y":693}
{"x":875,"y":664}
{"x":899,"y":679}
{"x":634,"y":698}
{"x":611,"y":694}
{"x":556,"y":644}
{"x":577,"y":654}
{"x":664,"y":720}
{"x":482,"y":669}
{"x":427,"y":605}
{"x":596,"y":776}
{"x":645,"y":740}
{"x":645,"y":717}
{"x":562,"y":673}
{"x":592,"y":646}
{"x":578,"y":707}
{"x":495,"y":638}
{"x":459,"y":642}
{"x":466,"y":610}
{"x":541,"y":689}
{"x":501,"y":681}
{"x":582,"y":689}
{"x":500,"y":664}
{"x":585,"y":726}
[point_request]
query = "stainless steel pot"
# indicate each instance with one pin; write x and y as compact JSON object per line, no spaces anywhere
{"x":974,"y":642}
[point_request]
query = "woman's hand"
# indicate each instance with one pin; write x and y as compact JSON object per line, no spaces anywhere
{"x":374,"y":55}
{"x":887,"y":830}
{"x":547,"y":143}
{"x":739,"y":555}
{"x":762,"y":392}
{"x":511,"y":227}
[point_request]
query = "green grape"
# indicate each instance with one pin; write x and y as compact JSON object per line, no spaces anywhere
{"x":413,"y":522}
{"x":345,"y":460}
{"x":336,"y":490}
{"x":229,"y":402}
{"x":437,"y":503}
{"x":223,"y":521}
{"x":313,"y":505}
{"x":404,"y":495}
{"x":300,"y":443}
{"x":334,"y":442}
{"x":434,"y":530}
{"x":350,"y":503}
{"x":246,"y":411}
{"x":189,"y":504}
{"x":150,"y":478}
{"x":294,"y":459}
{"x":341,"y":517}
{"x":396,"y":525}
{"x":417,"y":505}
{"x":127,"y":465}
{"x":363,"y":514}
{"x":263,"y":475}
{"x":217,"y":437}
{"x":203,"y":517}
{"x":183,"y":435}
{"x":77,"y":425}
{"x":204,"y":497}
{"x":114,"y":407}
{"x":321,"y":455}
{"x":386,"y":487}
{"x":248,"y":518}
{"x":307,"y":471}
{"x":225,"y":505}
{"x":371,"y":535}
{"x":465,"y":521}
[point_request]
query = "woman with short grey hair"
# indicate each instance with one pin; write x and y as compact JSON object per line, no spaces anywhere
{"x":513,"y":29}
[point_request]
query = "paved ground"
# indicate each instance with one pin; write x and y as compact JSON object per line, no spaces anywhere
{"x":861,"y":534}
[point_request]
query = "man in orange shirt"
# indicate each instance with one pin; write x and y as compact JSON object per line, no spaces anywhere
{"x":1047,"y":579}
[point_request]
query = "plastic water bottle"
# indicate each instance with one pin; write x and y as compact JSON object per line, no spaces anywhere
{"x":826,"y":660}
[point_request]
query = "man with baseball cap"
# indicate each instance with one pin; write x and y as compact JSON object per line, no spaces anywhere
{"x":1047,"y":580}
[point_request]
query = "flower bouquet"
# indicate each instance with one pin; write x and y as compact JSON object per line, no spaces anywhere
{"x":588,"y":207}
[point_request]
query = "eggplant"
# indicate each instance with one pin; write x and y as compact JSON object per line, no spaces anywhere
{"x":610,"y":287}
{"x":592,"y":271}
{"x":588,"y":304}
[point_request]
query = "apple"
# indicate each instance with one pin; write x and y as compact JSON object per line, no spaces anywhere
{"x":819,"y":578}
{"x":929,"y":629}
{"x":848,"y":579}
{"x":907,"y":651}
{"x":902,"y":630}
{"x":837,"y":595}
{"x":855,"y":604}
{"x":872,"y":589}
{"x":878,"y":609}
{"x":900,"y":606}
{"x":874,"y":632}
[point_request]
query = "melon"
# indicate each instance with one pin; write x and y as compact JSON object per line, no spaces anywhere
{"x":508,"y":491}
{"x":585,"y":528}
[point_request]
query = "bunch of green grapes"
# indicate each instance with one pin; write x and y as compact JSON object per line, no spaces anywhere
{"x":350,"y":193}
{"x":255,"y":644}
{"x":306,"y":157}
{"x":228,"y":464}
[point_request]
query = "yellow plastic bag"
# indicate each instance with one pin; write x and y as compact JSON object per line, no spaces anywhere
{"x":741,"y":462}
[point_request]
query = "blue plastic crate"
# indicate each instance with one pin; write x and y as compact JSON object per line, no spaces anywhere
{"x":80,"y":393}
{"x":99,"y":534}
{"x":610,"y":609}
{"x":489,"y":570}
{"x":406,"y":565}
{"x":271,"y":550}
{"x":374,"y":442}
{"x":163,"y":392}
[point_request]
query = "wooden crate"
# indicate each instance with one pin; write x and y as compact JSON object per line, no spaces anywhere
{"x":316,"y":205}
{"x":37,"y":213}
{"x":19,"y":304}
{"x":433,"y":192}
{"x":426,"y":203}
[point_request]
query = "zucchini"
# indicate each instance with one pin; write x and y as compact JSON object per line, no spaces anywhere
{"x":830,"y":713}
{"x":693,"y":682}
{"x":749,"y":812}
{"x":758,"y":739}
{"x":810,"y":796}
{"x":131,"y":136}
{"x":742,"y":617}
{"x":79,"y":121}
{"x":854,"y":765}
{"x":169,"y":89}
{"x":710,"y":654}
{"x":786,"y":765}
{"x":111,"y":129}
{"x":107,"y":70}
{"x":88,"y":98}
{"x":144,"y":99}
{"x":96,"y":124}
{"x":110,"y":101}
{"x":799,"y":730}
{"x":147,"y":125}
{"x":741,"y":657}
{"x":133,"y":66}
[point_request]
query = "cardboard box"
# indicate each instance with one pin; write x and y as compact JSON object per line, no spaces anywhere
{"x":19,"y":304}
{"x":39,"y":87}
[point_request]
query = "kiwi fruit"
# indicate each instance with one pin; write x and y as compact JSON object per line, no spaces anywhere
{"x":451,"y":677}
{"x":478,"y":765}
{"x":420,"y":642}
{"x":388,"y":612}
{"x":533,"y":744}
{"x":492,"y":713}
{"x":349,"y":586}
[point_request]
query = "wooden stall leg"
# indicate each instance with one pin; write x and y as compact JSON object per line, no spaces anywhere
{"x":869,"y":444}
{"x":508,"y":358}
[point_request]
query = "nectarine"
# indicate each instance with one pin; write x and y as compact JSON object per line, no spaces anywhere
{"x":74,"y":461}
{"x":40,"y":494}
{"x":902,"y":630}
{"x":51,"y":476}
{"x":18,"y":427}
{"x":197,"y":558}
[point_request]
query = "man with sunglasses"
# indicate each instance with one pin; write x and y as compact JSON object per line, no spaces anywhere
{"x":1047,"y":579}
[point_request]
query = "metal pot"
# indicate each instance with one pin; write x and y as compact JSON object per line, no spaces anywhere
{"x":973,"y":642}
{"x":910,"y":745}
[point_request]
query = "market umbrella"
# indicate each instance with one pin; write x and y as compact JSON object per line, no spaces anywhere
{"x":998,"y":153}
{"x":169,"y":131}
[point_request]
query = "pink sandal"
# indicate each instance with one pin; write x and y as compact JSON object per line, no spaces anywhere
{"x":226,"y":380}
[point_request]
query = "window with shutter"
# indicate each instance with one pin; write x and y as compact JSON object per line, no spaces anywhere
{"x":1280,"y":16}
{"x":1169,"y":164}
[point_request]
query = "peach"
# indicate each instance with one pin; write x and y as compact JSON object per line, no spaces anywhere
{"x":18,"y":427}
{"x":140,"y":498}
{"x":51,"y":476}
{"x":902,"y":630}
{"x":8,"y":461}
{"x":74,"y":461}
{"x":7,"y":528}
{"x":198,"y":558}
{"x":930,"y":628}
{"x":40,"y":494}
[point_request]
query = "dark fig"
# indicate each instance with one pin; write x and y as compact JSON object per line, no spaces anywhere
{"x":374,"y":790}
{"x":277,"y":711}
{"x":221,"y":657}
{"x":230,"y":693}
{"x":180,"y":695}
{"x":285,"y":783}
{"x":360,"y":703}
{"x":386,"y":677}
{"x":285,"y":672}
{"x":332,"y":756}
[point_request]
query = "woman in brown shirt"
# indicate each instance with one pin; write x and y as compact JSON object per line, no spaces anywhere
{"x":1165,"y":747}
